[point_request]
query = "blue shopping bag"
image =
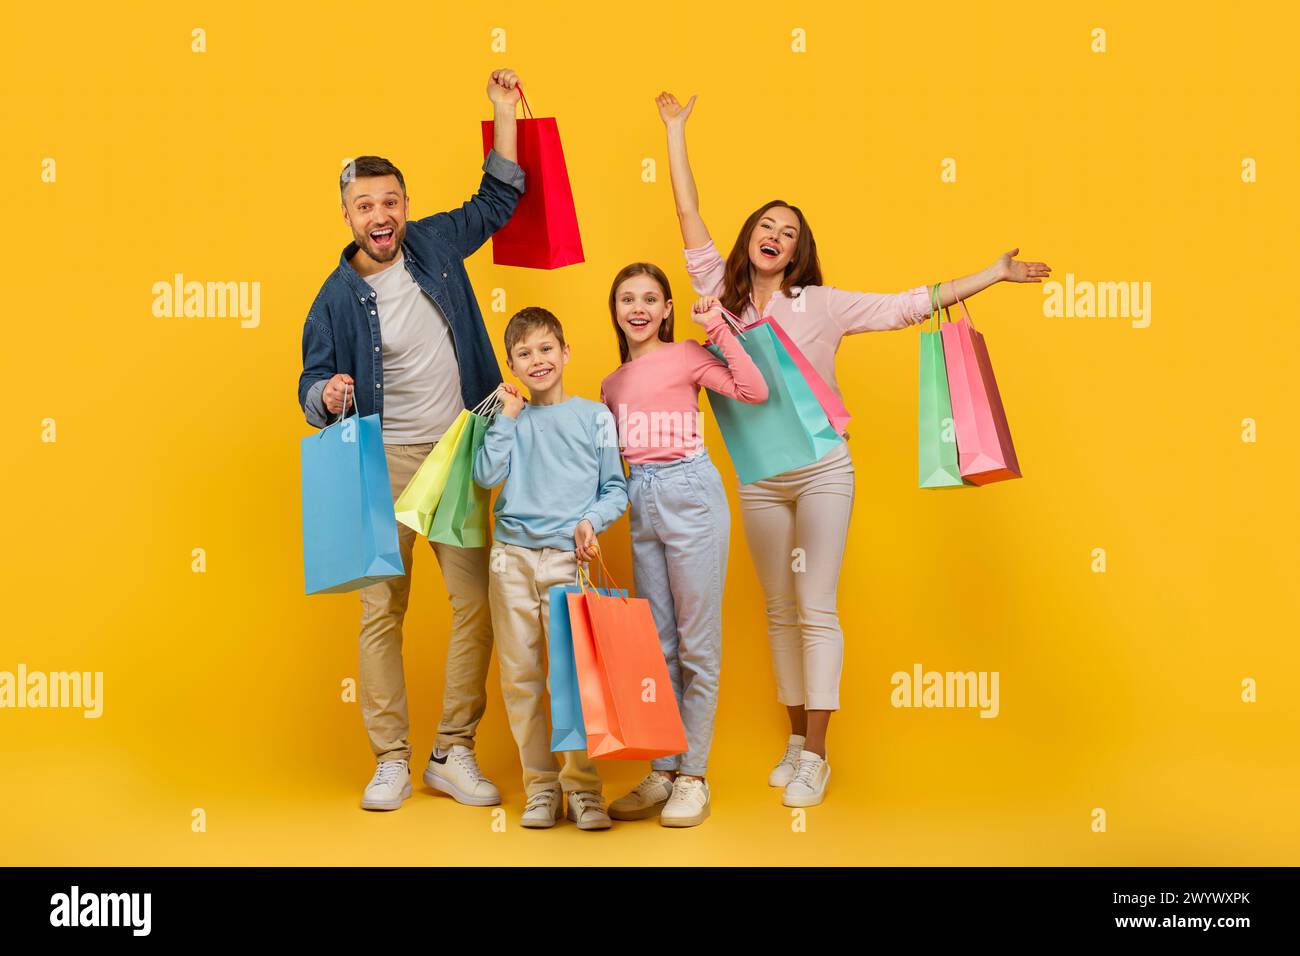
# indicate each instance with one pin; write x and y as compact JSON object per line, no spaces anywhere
{"x":787,"y":431}
{"x":349,"y":530}
{"x":567,"y":729}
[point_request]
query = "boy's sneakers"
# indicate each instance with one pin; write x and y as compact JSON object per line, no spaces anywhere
{"x":689,"y":804}
{"x":456,"y":772}
{"x":646,"y":799}
{"x":390,"y":785}
{"x":541,"y":810}
{"x":783,"y":772}
{"x":587,"y":810}
{"x":808,"y":787}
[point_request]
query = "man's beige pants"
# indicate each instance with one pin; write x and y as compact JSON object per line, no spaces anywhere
{"x":383,"y":607}
{"x":519,"y":594}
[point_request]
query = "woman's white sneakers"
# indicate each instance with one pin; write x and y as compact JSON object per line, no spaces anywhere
{"x":784,"y":772}
{"x":689,"y":804}
{"x":390,"y":785}
{"x":808,"y":788}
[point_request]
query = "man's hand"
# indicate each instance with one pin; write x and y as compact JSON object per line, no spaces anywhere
{"x":502,"y":87}
{"x":584,"y":540}
{"x":335,"y":389}
{"x":512,"y":400}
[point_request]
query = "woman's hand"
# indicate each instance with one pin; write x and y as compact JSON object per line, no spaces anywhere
{"x":671,"y":111}
{"x":1007,"y":269}
{"x":705,"y":306}
{"x":503,"y":87}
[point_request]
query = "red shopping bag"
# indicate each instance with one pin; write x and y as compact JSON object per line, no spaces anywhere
{"x":543,"y":232}
{"x":984,"y":450}
{"x":628,"y":706}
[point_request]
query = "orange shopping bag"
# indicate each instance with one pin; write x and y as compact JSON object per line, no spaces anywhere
{"x":628,"y":705}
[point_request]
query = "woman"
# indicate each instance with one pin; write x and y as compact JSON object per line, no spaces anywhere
{"x":773,"y":271}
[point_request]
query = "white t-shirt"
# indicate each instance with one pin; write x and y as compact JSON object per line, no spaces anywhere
{"x":421,"y":378}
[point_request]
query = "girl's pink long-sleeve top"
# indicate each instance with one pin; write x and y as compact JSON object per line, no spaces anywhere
{"x":816,"y":317}
{"x":655,"y":398}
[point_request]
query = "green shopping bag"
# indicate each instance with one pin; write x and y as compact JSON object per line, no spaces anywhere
{"x":462,"y":514}
{"x":419,"y":499}
{"x":936,"y":435}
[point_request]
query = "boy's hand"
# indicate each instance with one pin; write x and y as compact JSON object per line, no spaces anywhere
{"x":584,"y":540}
{"x":671,"y":111}
{"x":503,"y":87}
{"x":512,"y":400}
{"x":335,"y":389}
{"x":704,"y":306}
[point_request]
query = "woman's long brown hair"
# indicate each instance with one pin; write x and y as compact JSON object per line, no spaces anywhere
{"x":804,"y":268}
{"x":627,"y":272}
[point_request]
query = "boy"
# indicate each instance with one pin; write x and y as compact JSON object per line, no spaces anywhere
{"x":564,"y":484}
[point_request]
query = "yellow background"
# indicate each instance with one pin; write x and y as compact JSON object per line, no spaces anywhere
{"x":222,"y":690}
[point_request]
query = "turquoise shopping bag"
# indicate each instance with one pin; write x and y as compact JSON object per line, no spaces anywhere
{"x":787,"y":431}
{"x":349,"y":531}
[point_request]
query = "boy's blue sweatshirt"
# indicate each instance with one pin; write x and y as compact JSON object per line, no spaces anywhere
{"x":560,"y":464}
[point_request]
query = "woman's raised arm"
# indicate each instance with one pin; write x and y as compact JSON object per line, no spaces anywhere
{"x":674,"y":115}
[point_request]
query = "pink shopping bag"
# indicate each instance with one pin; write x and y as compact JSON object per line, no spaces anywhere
{"x":984,"y":450}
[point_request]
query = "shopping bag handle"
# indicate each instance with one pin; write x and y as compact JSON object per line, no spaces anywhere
{"x":347,"y":390}
{"x":489,"y":407}
{"x":584,"y":576}
{"x":528,"y":110}
{"x":962,"y":303}
{"x":732,"y":320}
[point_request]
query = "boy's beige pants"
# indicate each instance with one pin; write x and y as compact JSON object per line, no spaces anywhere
{"x":519,"y":586}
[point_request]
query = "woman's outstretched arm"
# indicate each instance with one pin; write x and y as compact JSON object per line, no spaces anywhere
{"x":674,"y":115}
{"x":1006,"y":269}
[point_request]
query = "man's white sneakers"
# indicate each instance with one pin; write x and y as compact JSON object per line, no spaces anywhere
{"x":808,"y":788}
{"x":689,"y":804}
{"x":587,"y":810}
{"x":646,"y":799}
{"x":541,"y":810}
{"x":456,"y":772}
{"x":390,"y":785}
{"x":783,"y":772}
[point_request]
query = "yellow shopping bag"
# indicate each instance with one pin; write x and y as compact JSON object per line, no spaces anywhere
{"x":419,"y":499}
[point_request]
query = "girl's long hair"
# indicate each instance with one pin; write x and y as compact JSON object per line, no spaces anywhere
{"x":627,"y":272}
{"x":804,"y":268}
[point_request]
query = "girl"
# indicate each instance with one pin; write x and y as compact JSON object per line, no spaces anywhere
{"x":681,"y":523}
{"x":773,"y":270}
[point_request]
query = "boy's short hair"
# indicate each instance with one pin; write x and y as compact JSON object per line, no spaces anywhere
{"x":527,"y":319}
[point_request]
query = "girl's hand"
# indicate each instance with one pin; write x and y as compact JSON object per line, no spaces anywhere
{"x":1008,"y":270}
{"x":512,"y":400}
{"x":671,"y":111}
{"x":705,"y":306}
{"x":503,"y":87}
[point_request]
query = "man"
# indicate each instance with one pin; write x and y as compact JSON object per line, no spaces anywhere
{"x":396,"y":330}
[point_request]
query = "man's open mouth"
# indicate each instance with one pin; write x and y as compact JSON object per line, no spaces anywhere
{"x":383,"y":238}
{"x":769,"y":250}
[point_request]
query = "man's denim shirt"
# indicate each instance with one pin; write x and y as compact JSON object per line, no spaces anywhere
{"x":342,"y":329}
